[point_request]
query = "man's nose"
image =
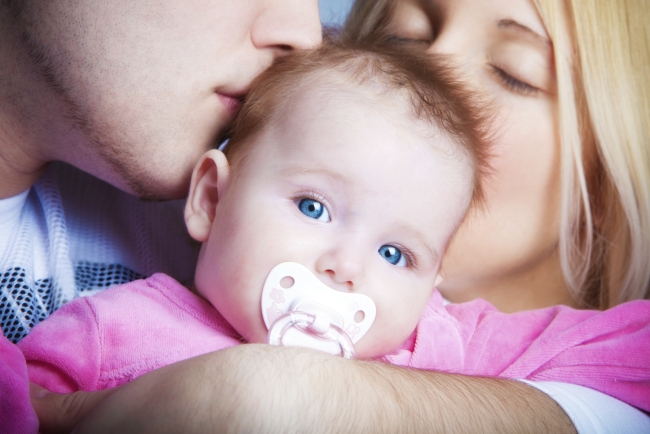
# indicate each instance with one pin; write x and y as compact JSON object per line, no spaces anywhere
{"x":344,"y":267}
{"x":287,"y":25}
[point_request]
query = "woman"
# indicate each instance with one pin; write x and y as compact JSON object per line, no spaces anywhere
{"x":569,"y":200}
{"x":568,"y":222}
{"x":568,"y":217}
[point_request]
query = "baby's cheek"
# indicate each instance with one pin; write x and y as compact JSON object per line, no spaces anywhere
{"x":249,"y":323}
{"x":258,"y":334}
{"x":383,"y":338}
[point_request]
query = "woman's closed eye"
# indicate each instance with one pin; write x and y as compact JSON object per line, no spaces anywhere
{"x":392,"y":255}
{"x":313,"y":209}
{"x":417,"y":42}
{"x":513,"y":84}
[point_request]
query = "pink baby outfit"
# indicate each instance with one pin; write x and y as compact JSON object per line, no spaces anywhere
{"x":113,"y":337}
{"x":119,"y":334}
{"x":16,"y":413}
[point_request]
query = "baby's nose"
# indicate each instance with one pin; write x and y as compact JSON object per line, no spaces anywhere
{"x":343,"y":266}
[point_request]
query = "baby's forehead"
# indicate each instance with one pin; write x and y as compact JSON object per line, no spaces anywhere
{"x":360,"y":141}
{"x":362,"y":86}
{"x":346,"y":101}
{"x":368,"y":166}
{"x":340,"y":85}
{"x":340,"y":95}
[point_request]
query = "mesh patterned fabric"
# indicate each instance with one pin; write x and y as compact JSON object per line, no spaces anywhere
{"x":89,"y":236}
{"x":23,"y":305}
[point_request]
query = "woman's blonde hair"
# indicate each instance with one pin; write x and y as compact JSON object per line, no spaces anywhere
{"x":602,"y":59}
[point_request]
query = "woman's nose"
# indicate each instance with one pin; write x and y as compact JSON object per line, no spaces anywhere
{"x":455,"y":45}
{"x":286,"y":25}
{"x":343,"y":266}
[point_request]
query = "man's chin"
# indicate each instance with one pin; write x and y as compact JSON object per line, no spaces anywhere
{"x":152,"y":188}
{"x":158,"y":191}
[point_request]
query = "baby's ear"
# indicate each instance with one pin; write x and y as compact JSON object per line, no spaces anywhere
{"x":209,"y":182}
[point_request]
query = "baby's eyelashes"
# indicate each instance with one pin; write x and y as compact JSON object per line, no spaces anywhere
{"x":313,"y":209}
{"x":393,"y":255}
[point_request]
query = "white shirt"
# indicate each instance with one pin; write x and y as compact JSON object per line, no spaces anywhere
{"x":72,"y":234}
{"x":593,"y":412}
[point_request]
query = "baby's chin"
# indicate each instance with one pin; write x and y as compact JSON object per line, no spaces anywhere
{"x":371,"y":350}
{"x":254,"y":336}
{"x":365,"y":349}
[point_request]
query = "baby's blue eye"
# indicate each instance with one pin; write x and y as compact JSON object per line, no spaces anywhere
{"x":314,"y":209}
{"x":393,"y":255}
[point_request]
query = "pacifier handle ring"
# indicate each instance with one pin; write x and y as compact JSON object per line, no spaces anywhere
{"x":304,"y":319}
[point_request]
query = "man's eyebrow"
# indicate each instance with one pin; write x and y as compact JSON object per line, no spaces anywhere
{"x":514,"y":25}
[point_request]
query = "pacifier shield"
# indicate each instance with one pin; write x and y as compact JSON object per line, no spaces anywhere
{"x":291,"y":287}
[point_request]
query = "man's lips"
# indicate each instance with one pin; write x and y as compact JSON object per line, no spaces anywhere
{"x":232,"y":103}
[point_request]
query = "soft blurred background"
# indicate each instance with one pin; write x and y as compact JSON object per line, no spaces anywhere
{"x":333,"y":12}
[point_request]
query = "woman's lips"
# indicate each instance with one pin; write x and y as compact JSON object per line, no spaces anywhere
{"x":232,"y":103}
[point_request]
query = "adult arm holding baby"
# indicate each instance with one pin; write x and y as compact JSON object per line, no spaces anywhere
{"x":298,"y":390}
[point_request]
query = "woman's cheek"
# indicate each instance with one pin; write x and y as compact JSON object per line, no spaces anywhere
{"x":520,"y":223}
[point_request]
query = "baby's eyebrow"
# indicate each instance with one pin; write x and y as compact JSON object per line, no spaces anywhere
{"x":419,"y":238}
{"x":435,"y":256}
{"x":417,"y":235}
{"x":297,"y":169}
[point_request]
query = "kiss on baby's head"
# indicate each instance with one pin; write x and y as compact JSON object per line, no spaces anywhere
{"x":357,"y":162}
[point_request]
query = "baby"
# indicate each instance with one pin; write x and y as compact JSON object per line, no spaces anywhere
{"x":353,"y":165}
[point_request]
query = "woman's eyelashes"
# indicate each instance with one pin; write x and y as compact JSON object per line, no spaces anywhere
{"x":513,"y":84}
{"x":313,"y":209}
{"x":424,"y":43}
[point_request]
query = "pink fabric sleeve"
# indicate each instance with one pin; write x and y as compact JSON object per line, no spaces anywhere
{"x":63,"y":352}
{"x":113,"y":337}
{"x":607,"y":351}
{"x":16,"y":413}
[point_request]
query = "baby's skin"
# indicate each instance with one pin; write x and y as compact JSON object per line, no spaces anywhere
{"x":346,"y":182}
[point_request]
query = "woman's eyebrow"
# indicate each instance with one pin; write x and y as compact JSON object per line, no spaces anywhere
{"x":511,"y":24}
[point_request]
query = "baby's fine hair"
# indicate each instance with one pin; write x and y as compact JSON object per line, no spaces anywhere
{"x":425,"y":80}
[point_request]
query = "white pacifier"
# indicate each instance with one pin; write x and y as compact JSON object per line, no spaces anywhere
{"x":299,"y":310}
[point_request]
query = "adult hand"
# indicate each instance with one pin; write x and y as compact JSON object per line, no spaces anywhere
{"x":260,"y":388}
{"x":60,"y":413}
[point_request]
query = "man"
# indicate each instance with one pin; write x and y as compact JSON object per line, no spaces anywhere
{"x":133,"y":92}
